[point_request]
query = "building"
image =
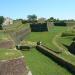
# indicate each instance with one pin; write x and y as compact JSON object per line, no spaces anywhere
{"x":7,"y":21}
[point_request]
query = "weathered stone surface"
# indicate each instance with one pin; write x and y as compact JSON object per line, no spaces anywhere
{"x":13,"y":67}
{"x":7,"y":44}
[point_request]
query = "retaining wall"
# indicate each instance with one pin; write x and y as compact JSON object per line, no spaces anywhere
{"x":22,"y":33}
{"x":61,"y":23}
{"x":61,"y":61}
{"x":39,"y":27}
{"x":7,"y":44}
{"x":19,"y":35}
{"x":70,"y":23}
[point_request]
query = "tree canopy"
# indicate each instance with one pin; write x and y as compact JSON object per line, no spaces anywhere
{"x":1,"y":21}
{"x":32,"y":18}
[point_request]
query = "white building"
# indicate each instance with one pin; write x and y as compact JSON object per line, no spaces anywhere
{"x":7,"y":21}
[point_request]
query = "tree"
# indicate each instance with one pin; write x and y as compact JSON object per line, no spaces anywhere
{"x":1,"y":21}
{"x":41,"y":20}
{"x":51,"y":19}
{"x":32,"y":18}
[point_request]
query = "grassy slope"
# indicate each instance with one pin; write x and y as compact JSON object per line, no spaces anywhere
{"x":17,"y":26}
{"x":42,"y":65}
{"x":46,"y":38}
{"x":66,"y":41}
{"x":6,"y":54}
{"x":3,"y":36}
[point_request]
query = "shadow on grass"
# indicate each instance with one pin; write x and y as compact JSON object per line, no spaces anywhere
{"x":71,"y":48}
{"x":64,"y":65}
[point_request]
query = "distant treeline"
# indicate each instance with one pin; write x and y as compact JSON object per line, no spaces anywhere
{"x":33,"y":19}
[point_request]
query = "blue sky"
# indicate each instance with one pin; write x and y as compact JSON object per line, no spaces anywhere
{"x":62,"y":9}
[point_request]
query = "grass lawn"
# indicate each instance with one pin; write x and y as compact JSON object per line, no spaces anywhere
{"x":3,"y":36}
{"x":39,"y":64}
{"x":47,"y":37}
{"x":6,"y":54}
{"x":66,"y":41}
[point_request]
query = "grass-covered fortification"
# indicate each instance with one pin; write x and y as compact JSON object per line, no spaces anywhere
{"x":53,"y":39}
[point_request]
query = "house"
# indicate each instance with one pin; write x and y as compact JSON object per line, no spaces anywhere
{"x":7,"y":21}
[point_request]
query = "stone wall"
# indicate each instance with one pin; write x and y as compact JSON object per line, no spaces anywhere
{"x":70,"y":23}
{"x":19,"y":35}
{"x":50,"y":24}
{"x":61,"y":23}
{"x":7,"y":44}
{"x":39,"y":27}
{"x":13,"y":67}
{"x":61,"y":61}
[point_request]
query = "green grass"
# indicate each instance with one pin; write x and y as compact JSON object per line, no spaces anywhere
{"x":22,"y":26}
{"x":7,"y":54}
{"x":47,"y":37}
{"x":66,"y":41}
{"x":17,"y":27}
{"x":39,"y":64}
{"x":3,"y":36}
